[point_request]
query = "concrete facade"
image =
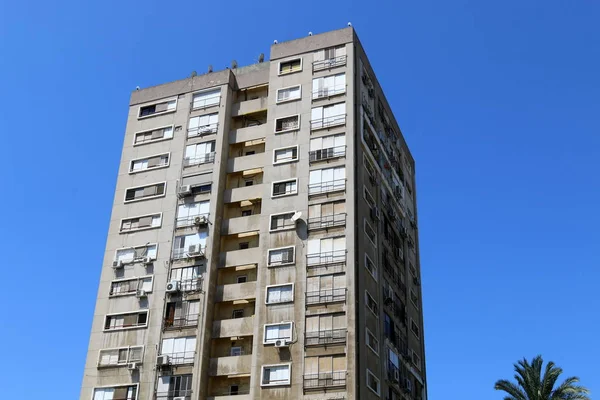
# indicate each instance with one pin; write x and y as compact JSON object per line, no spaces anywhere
{"x":205,"y":270}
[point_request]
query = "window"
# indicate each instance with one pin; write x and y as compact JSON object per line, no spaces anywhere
{"x":187,"y":213}
{"x":206,"y":99}
{"x":370,"y":266}
{"x":192,"y":245}
{"x":276,"y":375}
{"x":190,"y":278}
{"x":324,"y":372}
{"x":369,"y":167}
{"x":287,"y":67}
{"x":372,"y":382}
{"x":371,"y":304}
{"x":368,"y":198}
{"x":158,"y":108}
{"x":415,"y":328}
{"x":181,"y":314}
{"x":181,"y":350}
{"x":120,"y":356}
{"x":138,"y":253}
{"x":327,"y":215}
{"x":328,"y":116}
{"x":285,"y":188}
{"x":244,"y":245}
{"x":280,"y":222}
{"x":372,"y":341}
{"x":139,"y":223}
{"x":174,"y":386}
{"x":280,"y":294}
{"x":416,"y":360}
{"x":143,"y":164}
{"x":122,"y":287}
{"x":246,"y":213}
{"x":125,"y":392}
{"x":153,"y":135}
{"x":327,"y":147}
{"x":327,"y":180}
{"x":234,"y":390}
{"x":326,"y":251}
{"x":275,"y":332}
{"x":203,"y":125}
{"x":281,"y":256}
{"x":323,"y":289}
{"x":237,"y":313}
{"x":235,"y":351}
{"x":242,"y":279}
{"x":414,"y":298}
{"x":287,"y":124}
{"x":288,"y":94}
{"x":325,"y":329}
{"x":329,"y":86}
{"x":145,"y":192}
{"x":370,"y":233}
{"x":200,"y":153}
{"x":138,"y":319}
{"x":329,"y":58}
{"x":285,"y":155}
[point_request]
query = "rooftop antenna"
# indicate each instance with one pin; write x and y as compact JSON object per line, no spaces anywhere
{"x":275,"y":41}
{"x":261,"y":57}
{"x":309,"y":33}
{"x":210,"y":68}
{"x":137,"y":88}
{"x":233,"y":64}
{"x":349,"y":23}
{"x":193,"y":74}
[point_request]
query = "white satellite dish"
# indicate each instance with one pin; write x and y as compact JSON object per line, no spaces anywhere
{"x":296,"y":216}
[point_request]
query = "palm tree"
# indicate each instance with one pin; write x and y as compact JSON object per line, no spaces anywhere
{"x":531,"y":385}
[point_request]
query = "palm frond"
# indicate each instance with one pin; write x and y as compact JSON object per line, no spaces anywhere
{"x":515,"y":392}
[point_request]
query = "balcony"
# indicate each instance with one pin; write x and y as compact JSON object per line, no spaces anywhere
{"x":326,"y":187}
{"x":234,"y":226}
{"x":247,"y":134}
{"x":235,"y":258}
{"x":328,"y":122}
{"x":329,"y":153}
{"x":325,"y":380}
{"x":244,"y":163}
{"x":203,"y":130}
{"x":190,"y":285}
{"x":233,"y":327}
{"x":249,"y":106}
{"x":232,"y":365}
{"x":193,"y":251}
{"x":236,"y":291}
{"x":199,"y":220}
{"x":202,"y":159}
{"x":326,"y":296}
{"x":173,"y":394}
{"x":242,"y":193}
{"x":189,"y":321}
{"x":239,"y":394}
{"x":327,"y":92}
{"x":326,"y":337}
{"x":329,"y":63}
{"x":326,"y":221}
{"x":181,"y":358}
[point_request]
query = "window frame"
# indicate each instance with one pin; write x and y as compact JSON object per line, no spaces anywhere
{"x":137,"y":389}
{"x":206,"y":90}
{"x":262,"y":374}
{"x":293,"y":262}
{"x":366,"y":223}
{"x":168,"y":154}
{"x":167,"y":100}
{"x":417,"y":335}
{"x":371,"y":203}
{"x":374,"y":274}
{"x":279,"y":73}
{"x":276,"y":196}
{"x":411,"y":291}
{"x":367,"y":332}
{"x":275,"y":162}
{"x":369,"y":373}
{"x":156,"y":196}
{"x":414,"y":354}
{"x":286,"y":228}
{"x":135,"y":134}
{"x":117,"y":365}
{"x":121,"y":231}
{"x":278,"y":285}
{"x":137,"y":278}
{"x":136,"y":247}
{"x":138,"y":312}
{"x":286,"y":130}
{"x":290,"y":323}
{"x":277,"y":101}
{"x":367,"y":295}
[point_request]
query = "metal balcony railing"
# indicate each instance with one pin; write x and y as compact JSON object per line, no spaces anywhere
{"x":189,"y":252}
{"x":327,"y":122}
{"x":325,"y":380}
{"x":189,"y":220}
{"x":199,"y":160}
{"x":190,"y":285}
{"x":174,"y":394}
{"x":322,"y":338}
{"x":326,"y":154}
{"x":326,"y":258}
{"x":326,"y":221}
{"x":186,"y":357}
{"x":326,"y":296}
{"x":329,"y":63}
{"x":328,"y":91}
{"x":203,"y":130}
{"x":326,"y":187}
{"x":183,"y":322}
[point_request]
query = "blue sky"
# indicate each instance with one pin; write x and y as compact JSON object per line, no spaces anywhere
{"x":498,"y":102}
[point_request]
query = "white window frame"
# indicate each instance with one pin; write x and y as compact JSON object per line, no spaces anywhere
{"x":367,"y":332}
{"x":98,"y":365}
{"x":290,"y":323}
{"x":156,"y":196}
{"x":366,"y":194}
{"x":291,"y":99}
{"x":276,"y":196}
{"x":412,"y":357}
{"x":278,"y":285}
{"x":378,"y":392}
{"x":411,"y":298}
{"x":286,"y":228}
{"x":208,"y":90}
{"x":279,"y":73}
{"x":262,"y":375}
{"x":286,"y":161}
{"x":367,"y":295}
{"x":136,"y":247}
{"x":136,"y":278}
{"x":286,"y":130}
{"x":160,"y":215}
{"x":375,"y":273}
{"x":155,"y":103}
{"x":367,"y":235}
{"x":281,"y":248}
{"x":168,"y":154}
{"x":137,"y":389}
{"x":104,"y":329}
{"x":412,"y":321}
{"x":135,"y":134}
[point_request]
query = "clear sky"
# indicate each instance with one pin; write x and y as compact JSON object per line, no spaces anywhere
{"x":498,"y":101}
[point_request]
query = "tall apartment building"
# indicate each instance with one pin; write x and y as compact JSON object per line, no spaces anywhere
{"x":263,"y":239}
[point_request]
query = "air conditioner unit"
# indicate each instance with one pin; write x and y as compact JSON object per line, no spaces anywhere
{"x":396,"y":375}
{"x":147,"y":260}
{"x":281,"y":343}
{"x":184,"y":190}
{"x":141,"y":293}
{"x":205,"y":129}
{"x":195,"y":250}
{"x":173,"y":286}
{"x":162,"y":360}
{"x":133,"y":366}
{"x":118,"y":264}
{"x":200,"y":220}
